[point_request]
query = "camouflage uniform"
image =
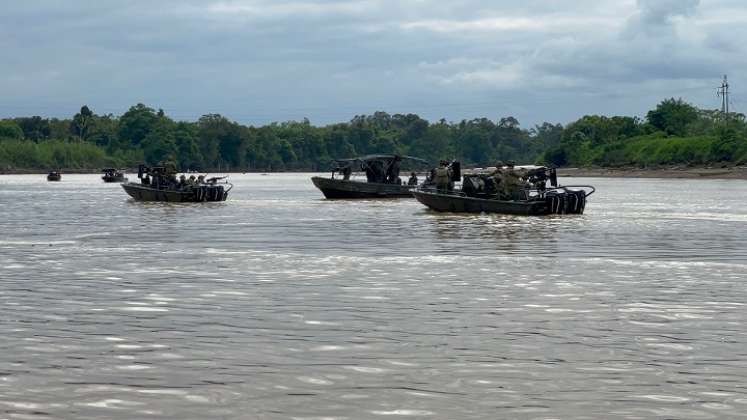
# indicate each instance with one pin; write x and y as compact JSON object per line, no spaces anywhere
{"x":443,"y":177}
{"x":513,"y":186}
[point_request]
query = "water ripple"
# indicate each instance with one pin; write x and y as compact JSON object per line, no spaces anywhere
{"x":279,"y":304}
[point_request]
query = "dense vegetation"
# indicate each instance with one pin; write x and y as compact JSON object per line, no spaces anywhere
{"x":673,"y":132}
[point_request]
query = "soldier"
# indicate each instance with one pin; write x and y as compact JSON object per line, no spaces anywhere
{"x":443,"y":176}
{"x":392,"y":173}
{"x":413,"y":179}
{"x":513,"y":186}
{"x":377,"y":169}
{"x":370,"y":174}
{"x":496,"y":182}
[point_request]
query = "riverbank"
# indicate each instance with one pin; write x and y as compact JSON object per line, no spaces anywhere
{"x":673,"y":172}
{"x":126,"y":170}
{"x":732,"y":172}
{"x":40,"y":172}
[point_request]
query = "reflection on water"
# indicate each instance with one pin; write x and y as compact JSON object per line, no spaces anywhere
{"x":488,"y":233}
{"x":279,"y":304}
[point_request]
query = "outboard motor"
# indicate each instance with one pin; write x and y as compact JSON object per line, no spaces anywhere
{"x":553,"y":177}
{"x":565,"y":202}
{"x":555,"y":202}
{"x":577,"y":201}
{"x":456,"y":170}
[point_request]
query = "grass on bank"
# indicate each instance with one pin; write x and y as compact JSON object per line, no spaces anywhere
{"x":658,"y":149}
{"x":53,"y":154}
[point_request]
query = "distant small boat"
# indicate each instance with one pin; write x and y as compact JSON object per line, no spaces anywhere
{"x":54,"y":176}
{"x":113,"y":175}
{"x":382,"y":178}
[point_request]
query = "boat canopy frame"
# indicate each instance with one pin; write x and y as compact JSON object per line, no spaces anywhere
{"x":381,"y":157}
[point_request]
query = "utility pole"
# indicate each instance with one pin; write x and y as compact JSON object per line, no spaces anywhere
{"x":723,"y":92}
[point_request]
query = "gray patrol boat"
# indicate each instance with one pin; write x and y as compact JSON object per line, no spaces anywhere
{"x":382,"y":177}
{"x":159,"y":183}
{"x":480,"y":193}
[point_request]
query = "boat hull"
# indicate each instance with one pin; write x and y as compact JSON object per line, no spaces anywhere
{"x":339,"y":188}
{"x":114,"y":178}
{"x":462,"y":204}
{"x":197,"y":195}
{"x":53,"y":178}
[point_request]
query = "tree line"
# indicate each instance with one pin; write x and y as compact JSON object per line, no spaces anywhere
{"x":673,"y":132}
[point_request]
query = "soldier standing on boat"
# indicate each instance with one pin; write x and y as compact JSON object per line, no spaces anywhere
{"x":513,"y":186}
{"x":413,"y":179}
{"x":379,"y":173}
{"x":494,"y":182}
{"x":392,"y":173}
{"x":370,"y":171}
{"x":443,"y":176}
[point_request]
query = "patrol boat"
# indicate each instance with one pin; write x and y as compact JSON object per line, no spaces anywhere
{"x":382,"y":177}
{"x":531,"y":195}
{"x":159,"y":183}
{"x":113,"y":175}
{"x":54,"y":176}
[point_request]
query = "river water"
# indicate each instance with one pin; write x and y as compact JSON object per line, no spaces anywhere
{"x":278,"y":304}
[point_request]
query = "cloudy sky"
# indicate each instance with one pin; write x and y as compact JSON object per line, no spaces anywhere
{"x":257,"y":61}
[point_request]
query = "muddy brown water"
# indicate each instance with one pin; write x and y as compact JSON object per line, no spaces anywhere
{"x":279,"y":304}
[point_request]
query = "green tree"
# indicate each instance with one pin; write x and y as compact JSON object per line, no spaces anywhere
{"x":336,"y":140}
{"x":159,"y":145}
{"x":435,"y":144}
{"x":81,"y":124}
{"x":672,"y":116}
{"x":188,"y":155}
{"x":10,"y":130}
{"x":473,"y":144}
{"x":34,"y":128}
{"x":102,"y":131}
{"x":223,"y":142}
{"x":136,"y":124}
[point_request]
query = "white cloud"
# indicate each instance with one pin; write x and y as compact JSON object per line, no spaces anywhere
{"x":542,"y":23}
{"x":275,"y":9}
{"x":250,"y":59}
